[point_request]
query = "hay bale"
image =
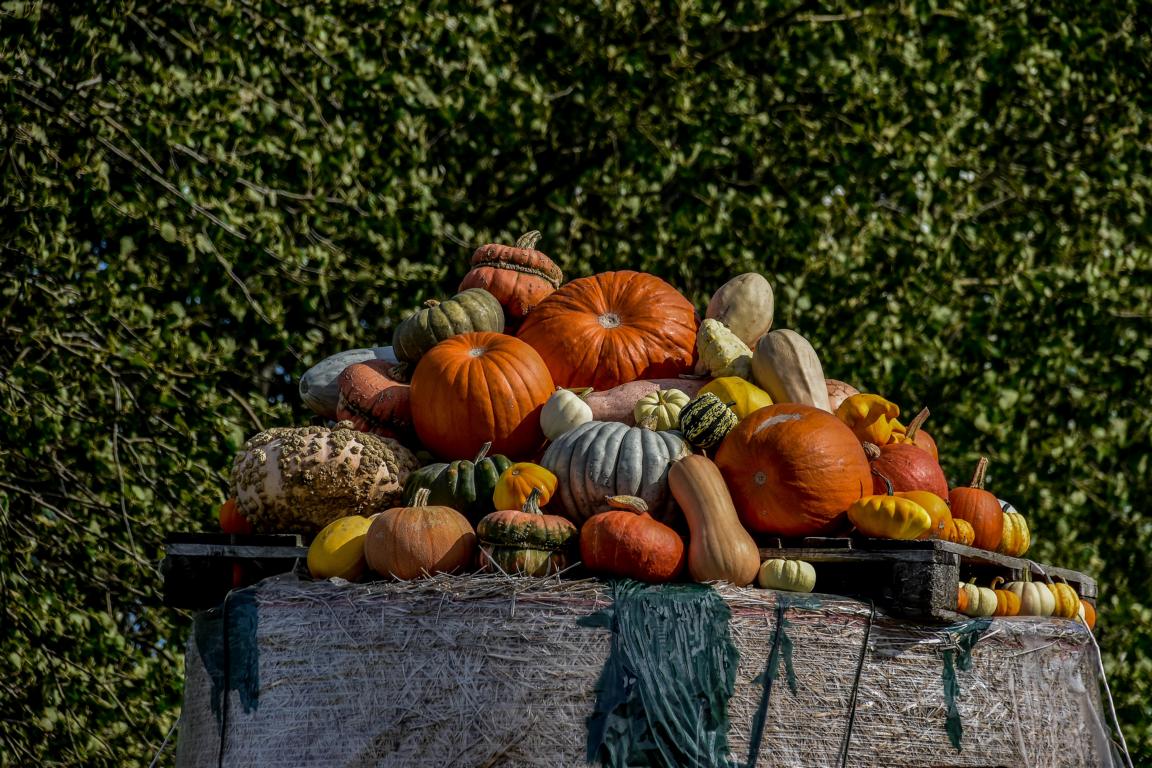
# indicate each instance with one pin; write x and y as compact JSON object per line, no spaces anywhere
{"x":488,"y":670}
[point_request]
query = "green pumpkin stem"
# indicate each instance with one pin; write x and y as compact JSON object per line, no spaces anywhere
{"x":978,"y":475}
{"x":421,"y":497}
{"x":916,"y":423}
{"x":528,"y":240}
{"x":483,"y":452}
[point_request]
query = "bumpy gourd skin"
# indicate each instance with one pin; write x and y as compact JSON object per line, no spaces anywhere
{"x":297,"y":480}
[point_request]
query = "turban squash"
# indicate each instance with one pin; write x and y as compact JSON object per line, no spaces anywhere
{"x":519,"y":276}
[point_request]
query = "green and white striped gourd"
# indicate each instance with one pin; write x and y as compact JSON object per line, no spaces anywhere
{"x":706,"y":420}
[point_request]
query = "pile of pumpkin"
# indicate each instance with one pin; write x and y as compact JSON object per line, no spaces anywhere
{"x":525,"y":420}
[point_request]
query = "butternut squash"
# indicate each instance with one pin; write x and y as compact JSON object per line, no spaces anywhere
{"x":786,"y":366}
{"x":719,"y":548}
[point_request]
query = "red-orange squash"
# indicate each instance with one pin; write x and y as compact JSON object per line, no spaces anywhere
{"x":376,"y":398}
{"x":231,"y":521}
{"x":793,"y":469}
{"x":612,"y":328}
{"x":907,"y":467}
{"x":480,"y":387}
{"x":519,"y":276}
{"x":628,"y":542}
{"x":980,"y":508}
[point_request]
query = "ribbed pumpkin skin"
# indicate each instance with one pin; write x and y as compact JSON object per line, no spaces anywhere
{"x":909,"y":468}
{"x":466,"y":485}
{"x":793,"y":470}
{"x":519,"y":278}
{"x":480,"y":387}
{"x":612,"y":328}
{"x":607,"y":458}
{"x":705,"y":421}
{"x":473,"y":310}
{"x":375,"y":399}
{"x":406,"y":542}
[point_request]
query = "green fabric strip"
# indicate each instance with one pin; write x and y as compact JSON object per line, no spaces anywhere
{"x":226,"y":642}
{"x":662,"y":699}
{"x":960,"y":657}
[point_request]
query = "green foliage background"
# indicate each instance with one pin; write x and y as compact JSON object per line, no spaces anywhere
{"x":201,"y":199}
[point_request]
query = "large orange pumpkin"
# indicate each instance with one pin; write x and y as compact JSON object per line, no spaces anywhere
{"x":479,"y":387}
{"x":612,"y":328}
{"x":793,"y":469}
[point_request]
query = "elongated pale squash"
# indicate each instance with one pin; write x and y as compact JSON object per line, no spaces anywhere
{"x":786,"y":366}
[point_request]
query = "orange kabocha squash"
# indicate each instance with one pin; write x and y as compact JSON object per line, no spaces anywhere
{"x":793,"y":469}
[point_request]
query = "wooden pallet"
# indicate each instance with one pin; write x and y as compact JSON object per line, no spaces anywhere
{"x":912,"y":579}
{"x":199,"y":569}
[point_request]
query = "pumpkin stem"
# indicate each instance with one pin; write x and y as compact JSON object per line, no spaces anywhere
{"x":432,"y":303}
{"x":978,"y":476}
{"x":580,"y":392}
{"x":996,"y":581}
{"x":887,"y":482}
{"x":872,"y":451}
{"x":421,"y":497}
{"x":532,"y":503}
{"x":629,"y":503}
{"x":528,"y":240}
{"x":916,"y":423}
{"x":649,"y":422}
{"x":483,"y":452}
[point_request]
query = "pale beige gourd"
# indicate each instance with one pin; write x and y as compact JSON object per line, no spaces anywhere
{"x":981,"y":600}
{"x":563,"y":411}
{"x":662,"y":407}
{"x":1035,"y":597}
{"x":744,"y":305}
{"x":788,"y":575}
{"x":721,"y":352}
{"x":719,"y":549}
{"x":786,"y":366}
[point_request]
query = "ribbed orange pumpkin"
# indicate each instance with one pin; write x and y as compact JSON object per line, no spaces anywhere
{"x":980,"y":508}
{"x":519,"y":276}
{"x":612,"y":328}
{"x":407,"y":542}
{"x":793,"y":469}
{"x":480,"y":387}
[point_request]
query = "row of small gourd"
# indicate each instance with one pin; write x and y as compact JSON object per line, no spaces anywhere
{"x":526,"y":414}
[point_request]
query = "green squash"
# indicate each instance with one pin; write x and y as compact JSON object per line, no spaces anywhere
{"x":706,"y":421}
{"x":472,"y":310}
{"x":466,"y":486}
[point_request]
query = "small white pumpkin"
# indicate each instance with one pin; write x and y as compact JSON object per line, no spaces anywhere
{"x":563,"y":411}
{"x":981,"y":600}
{"x":662,"y":407}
